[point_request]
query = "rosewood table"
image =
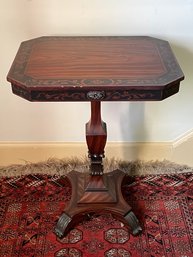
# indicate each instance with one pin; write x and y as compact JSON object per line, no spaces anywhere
{"x":95,"y":69}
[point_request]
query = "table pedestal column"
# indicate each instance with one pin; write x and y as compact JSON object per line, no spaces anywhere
{"x":96,"y":192}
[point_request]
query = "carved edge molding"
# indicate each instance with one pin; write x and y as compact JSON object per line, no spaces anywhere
{"x":108,"y":95}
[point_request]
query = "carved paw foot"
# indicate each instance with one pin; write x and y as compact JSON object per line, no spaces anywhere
{"x":133,"y":223}
{"x":61,"y":225}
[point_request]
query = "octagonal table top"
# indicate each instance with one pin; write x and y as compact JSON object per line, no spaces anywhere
{"x":128,"y":68}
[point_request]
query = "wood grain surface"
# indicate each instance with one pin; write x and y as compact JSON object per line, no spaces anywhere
{"x":68,"y":68}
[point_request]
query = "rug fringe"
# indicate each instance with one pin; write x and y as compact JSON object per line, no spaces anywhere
{"x":54,"y":166}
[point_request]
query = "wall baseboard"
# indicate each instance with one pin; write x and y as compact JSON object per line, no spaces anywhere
{"x":22,"y":152}
{"x":180,"y":151}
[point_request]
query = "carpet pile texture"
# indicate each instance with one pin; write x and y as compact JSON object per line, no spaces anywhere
{"x":32,"y":197}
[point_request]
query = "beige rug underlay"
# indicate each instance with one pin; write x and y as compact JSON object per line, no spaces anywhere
{"x":63,"y":166}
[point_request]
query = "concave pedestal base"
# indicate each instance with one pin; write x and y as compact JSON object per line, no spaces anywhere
{"x":96,"y":194}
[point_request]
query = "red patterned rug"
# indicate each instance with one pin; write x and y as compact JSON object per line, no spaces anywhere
{"x":30,"y":206}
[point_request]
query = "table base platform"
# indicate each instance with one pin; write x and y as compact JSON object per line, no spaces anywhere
{"x":96,"y":194}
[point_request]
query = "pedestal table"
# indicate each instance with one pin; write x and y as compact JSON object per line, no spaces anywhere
{"x":95,"y":69}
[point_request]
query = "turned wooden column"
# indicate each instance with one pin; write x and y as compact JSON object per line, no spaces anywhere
{"x":96,"y":137}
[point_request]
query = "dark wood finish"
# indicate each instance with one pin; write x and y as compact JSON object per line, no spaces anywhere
{"x":96,"y":192}
{"x":96,"y":136}
{"x":95,"y":69}
{"x":84,"y":202}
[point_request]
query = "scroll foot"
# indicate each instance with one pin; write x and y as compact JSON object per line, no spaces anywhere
{"x":133,"y":223}
{"x":61,"y":225}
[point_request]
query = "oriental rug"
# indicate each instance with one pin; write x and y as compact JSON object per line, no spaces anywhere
{"x":30,"y":205}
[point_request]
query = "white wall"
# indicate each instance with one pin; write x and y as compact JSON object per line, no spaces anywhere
{"x":171,"y":20}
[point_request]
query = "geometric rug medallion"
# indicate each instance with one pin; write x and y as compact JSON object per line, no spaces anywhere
{"x":30,"y":206}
